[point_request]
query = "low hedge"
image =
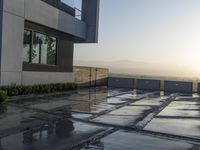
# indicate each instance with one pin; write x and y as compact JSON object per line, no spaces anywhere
{"x":37,"y":89}
{"x":3,"y":96}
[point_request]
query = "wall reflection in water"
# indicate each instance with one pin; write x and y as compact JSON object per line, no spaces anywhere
{"x":61,"y":129}
{"x":3,"y":108}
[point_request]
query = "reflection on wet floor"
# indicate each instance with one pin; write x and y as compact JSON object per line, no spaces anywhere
{"x":126,"y":140}
{"x":125,"y":116}
{"x":60,"y":135}
{"x":50,"y":122}
{"x":181,"y":117}
{"x":79,"y":95}
{"x":92,"y":107}
{"x":14,"y":119}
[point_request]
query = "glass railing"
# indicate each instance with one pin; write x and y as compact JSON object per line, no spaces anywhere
{"x":68,"y":2}
{"x":72,"y":7}
{"x":77,"y":5}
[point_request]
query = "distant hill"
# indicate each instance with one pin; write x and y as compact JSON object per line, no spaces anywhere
{"x":142,"y":68}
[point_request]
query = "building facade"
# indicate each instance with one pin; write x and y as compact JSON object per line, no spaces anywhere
{"x":38,"y":37}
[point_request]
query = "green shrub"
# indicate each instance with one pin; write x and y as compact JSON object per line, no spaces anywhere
{"x":3,"y":96}
{"x":72,"y":86}
{"x":4,"y":88}
{"x":27,"y":90}
{"x":13,"y":91}
{"x":37,"y":89}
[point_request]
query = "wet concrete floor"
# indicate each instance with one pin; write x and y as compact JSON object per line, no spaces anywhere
{"x":126,"y":140}
{"x":101,"y":118}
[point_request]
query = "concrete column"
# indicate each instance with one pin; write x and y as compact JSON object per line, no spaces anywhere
{"x":161,"y":85}
{"x":195,"y":87}
{"x":135,"y":83}
{"x":12,"y":26}
{"x":90,"y":15}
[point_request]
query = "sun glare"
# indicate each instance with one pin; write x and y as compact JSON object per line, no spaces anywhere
{"x":193,"y":61}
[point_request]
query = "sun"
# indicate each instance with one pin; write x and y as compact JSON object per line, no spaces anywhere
{"x":193,"y":60}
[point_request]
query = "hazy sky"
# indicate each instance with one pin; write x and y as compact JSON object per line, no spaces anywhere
{"x":157,"y":31}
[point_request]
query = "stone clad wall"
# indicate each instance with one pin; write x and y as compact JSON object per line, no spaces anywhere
{"x":90,"y":76}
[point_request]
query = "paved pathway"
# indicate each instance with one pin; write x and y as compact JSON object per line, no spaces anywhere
{"x":115,"y":119}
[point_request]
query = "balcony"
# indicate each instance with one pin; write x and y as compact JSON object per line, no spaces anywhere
{"x":72,"y":7}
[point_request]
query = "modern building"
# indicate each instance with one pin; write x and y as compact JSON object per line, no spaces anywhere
{"x":38,"y":37}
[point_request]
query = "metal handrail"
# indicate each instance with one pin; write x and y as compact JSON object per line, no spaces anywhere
{"x":80,"y":15}
{"x":74,"y":11}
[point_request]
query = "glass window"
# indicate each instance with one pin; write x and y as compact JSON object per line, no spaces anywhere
{"x":27,"y":46}
{"x":38,"y":40}
{"x":51,"y":50}
{"x":41,"y":50}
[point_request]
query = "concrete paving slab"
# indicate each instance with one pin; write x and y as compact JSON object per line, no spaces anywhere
{"x":182,"y":109}
{"x":51,"y":105}
{"x":125,"y":116}
{"x":131,"y":96}
{"x":92,"y":107}
{"x":82,"y":116}
{"x":31,"y":101}
{"x":150,"y":101}
{"x":117,"y":120}
{"x":126,"y":140}
{"x":168,"y":112}
{"x":13,"y":116}
{"x":188,"y":98}
{"x":61,"y":135}
{"x":131,"y":110}
{"x":15,"y":119}
{"x":180,"y":127}
{"x":86,"y":97}
{"x":113,"y":92}
{"x":115,"y":101}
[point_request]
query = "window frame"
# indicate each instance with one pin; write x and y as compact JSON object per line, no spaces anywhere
{"x":31,"y":48}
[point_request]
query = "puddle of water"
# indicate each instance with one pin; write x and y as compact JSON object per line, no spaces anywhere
{"x":150,"y":101}
{"x":61,"y":135}
{"x":91,"y":107}
{"x":51,"y":105}
{"x":126,"y":140}
{"x":13,"y":117}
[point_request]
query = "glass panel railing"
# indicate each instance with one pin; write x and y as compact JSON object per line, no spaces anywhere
{"x":68,"y":2}
{"x":77,"y":5}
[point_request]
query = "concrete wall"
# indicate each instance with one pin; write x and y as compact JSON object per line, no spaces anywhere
{"x":14,"y":13}
{"x":116,"y":82}
{"x":89,"y":76}
{"x":12,"y":41}
{"x":151,"y":85}
{"x":178,"y":86}
{"x":45,"y":14}
{"x":30,"y":78}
